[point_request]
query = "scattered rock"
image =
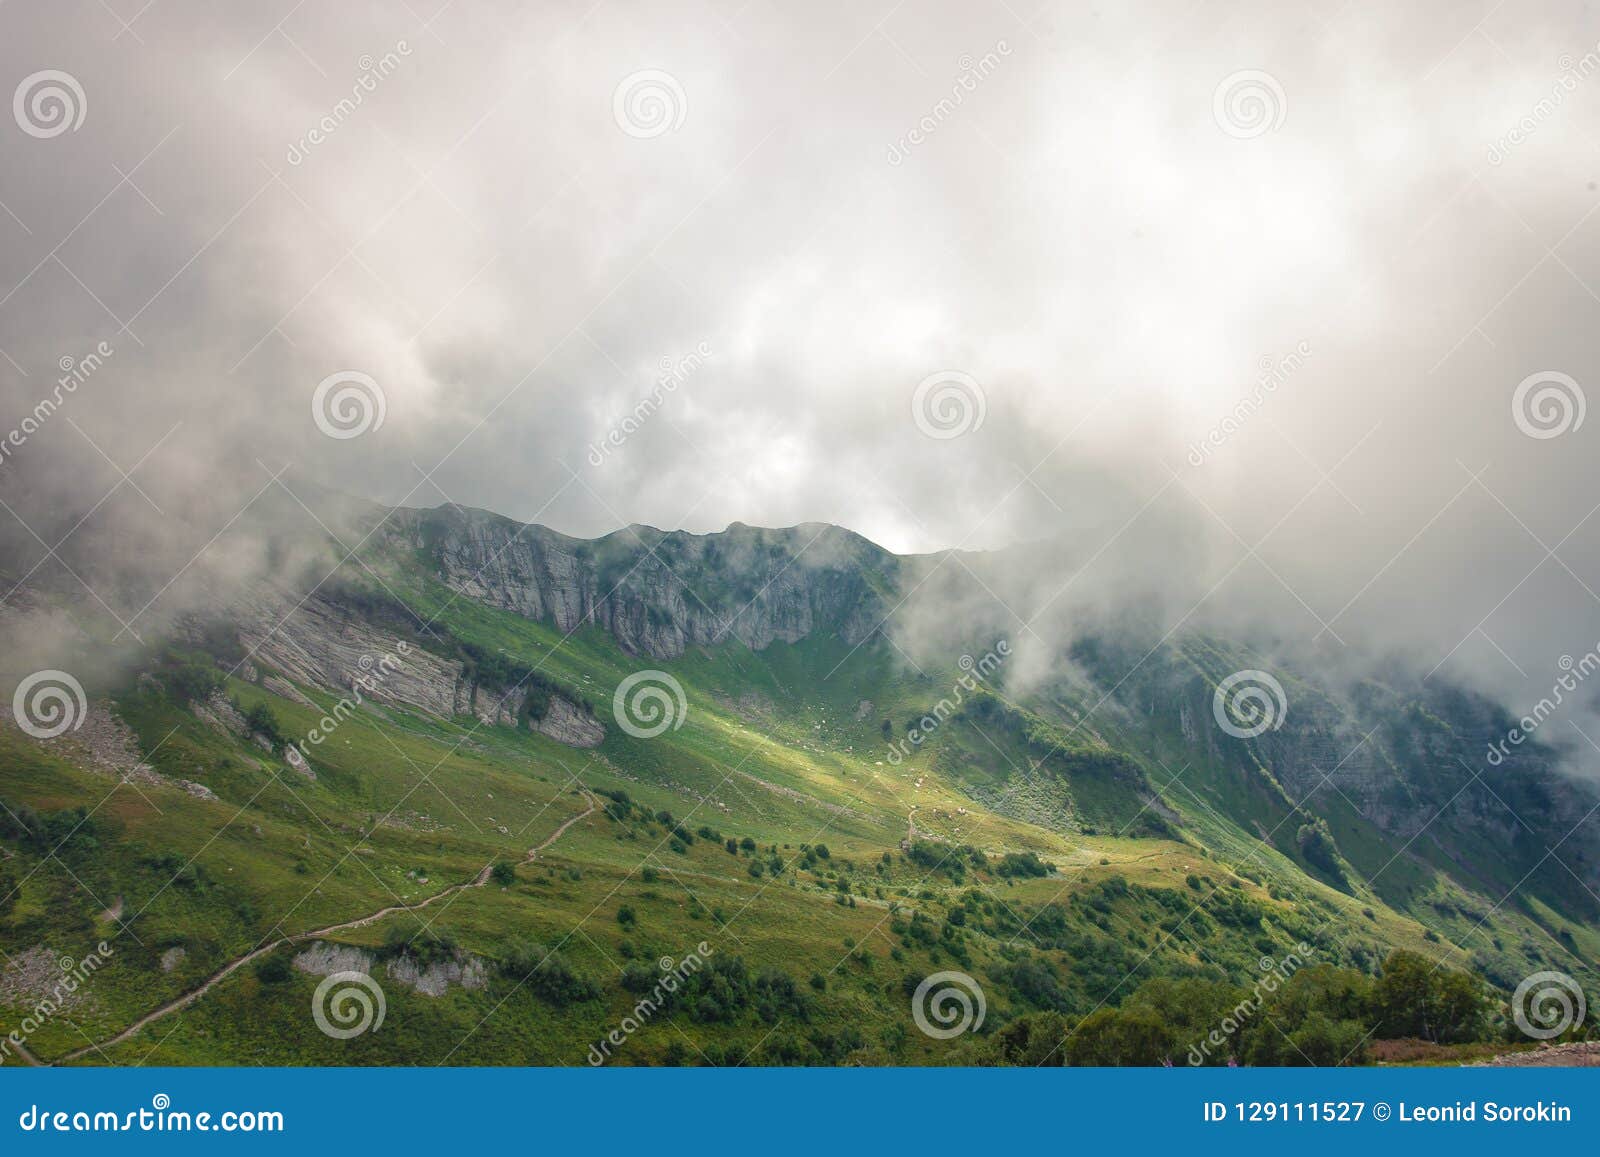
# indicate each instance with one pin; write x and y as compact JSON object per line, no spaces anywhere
{"x":324,"y":959}
{"x":171,"y":958}
{"x":469,"y":972}
{"x":1584,"y":1054}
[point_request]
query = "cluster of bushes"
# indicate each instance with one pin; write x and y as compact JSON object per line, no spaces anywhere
{"x":186,"y":679}
{"x":623,"y":810}
{"x":725,"y":992}
{"x":1022,"y":864}
{"x":545,"y":973}
{"x":945,"y":859}
{"x":427,"y":946}
{"x":495,"y":671}
{"x":72,"y":828}
{"x":1319,"y":1015}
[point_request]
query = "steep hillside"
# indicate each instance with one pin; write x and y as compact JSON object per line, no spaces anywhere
{"x":516,"y":779}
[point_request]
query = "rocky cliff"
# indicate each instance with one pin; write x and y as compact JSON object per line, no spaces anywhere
{"x":659,"y":592}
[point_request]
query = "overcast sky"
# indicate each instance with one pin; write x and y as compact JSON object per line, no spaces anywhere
{"x":1090,"y":226}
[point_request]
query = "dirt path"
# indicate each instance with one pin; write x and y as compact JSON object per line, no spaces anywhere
{"x":1584,"y":1054}
{"x":195,"y":994}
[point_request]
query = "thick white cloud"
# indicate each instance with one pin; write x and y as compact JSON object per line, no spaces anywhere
{"x":1077,"y":233}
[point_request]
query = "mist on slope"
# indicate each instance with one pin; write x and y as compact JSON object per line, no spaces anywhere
{"x":1257,"y":383}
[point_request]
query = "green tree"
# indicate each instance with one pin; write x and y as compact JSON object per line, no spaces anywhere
{"x":1120,"y":1037}
{"x":8,"y":891}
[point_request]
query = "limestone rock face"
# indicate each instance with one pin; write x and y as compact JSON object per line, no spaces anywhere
{"x":322,"y":644}
{"x":566,"y":722}
{"x":659,"y":593}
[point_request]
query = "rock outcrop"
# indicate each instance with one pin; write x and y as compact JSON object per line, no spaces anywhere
{"x":659,"y":593}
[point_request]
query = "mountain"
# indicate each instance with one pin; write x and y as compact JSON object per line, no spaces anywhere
{"x":503,"y":772}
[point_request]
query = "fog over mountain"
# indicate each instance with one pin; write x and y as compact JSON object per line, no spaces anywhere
{"x":1226,"y":310}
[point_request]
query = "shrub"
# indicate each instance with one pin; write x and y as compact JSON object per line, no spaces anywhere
{"x":546,"y":973}
{"x":273,"y":969}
